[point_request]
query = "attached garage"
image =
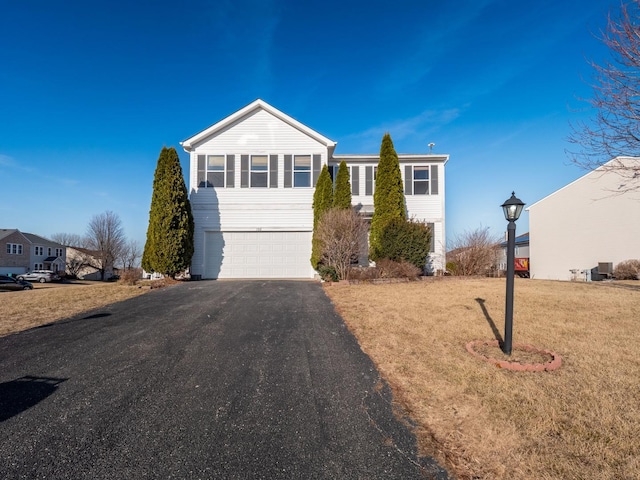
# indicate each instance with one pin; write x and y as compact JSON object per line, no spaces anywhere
{"x":263,"y":254}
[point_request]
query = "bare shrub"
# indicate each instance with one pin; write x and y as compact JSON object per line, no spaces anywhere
{"x":474,"y":253}
{"x":627,"y":270}
{"x":130,"y":277}
{"x":363,"y":273}
{"x":403,"y":269}
{"x":341,"y":233}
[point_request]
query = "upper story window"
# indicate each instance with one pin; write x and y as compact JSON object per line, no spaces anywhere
{"x":259,"y":171}
{"x":39,"y":250}
{"x":49,"y":251}
{"x":59,"y":252}
{"x":211,"y":171}
{"x":302,"y":170}
{"x":14,"y":248}
{"x":421,"y":180}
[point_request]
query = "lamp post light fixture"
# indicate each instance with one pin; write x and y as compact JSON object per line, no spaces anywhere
{"x":512,"y":209}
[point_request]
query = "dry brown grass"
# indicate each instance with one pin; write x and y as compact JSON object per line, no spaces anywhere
{"x":578,"y":422}
{"x":49,"y":302}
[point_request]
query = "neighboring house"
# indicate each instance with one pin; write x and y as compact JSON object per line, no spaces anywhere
{"x":81,"y":262}
{"x":584,"y":228}
{"x":252,"y":178}
{"x":23,"y":252}
{"x":521,"y":255}
{"x":151,"y":275}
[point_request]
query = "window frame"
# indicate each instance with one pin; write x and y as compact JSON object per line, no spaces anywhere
{"x":300,"y":170}
{"x":423,"y":182}
{"x":14,"y":249}
{"x":204,"y":171}
{"x":262,"y":170}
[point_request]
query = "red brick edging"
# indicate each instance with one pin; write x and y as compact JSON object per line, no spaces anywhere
{"x":553,"y":364}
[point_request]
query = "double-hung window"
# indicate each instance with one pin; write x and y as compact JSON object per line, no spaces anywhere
{"x":421,"y":180}
{"x":302,"y":170}
{"x":39,"y":250}
{"x":259,"y":171}
{"x":14,"y":248}
{"x":58,"y":252}
{"x":210,"y":171}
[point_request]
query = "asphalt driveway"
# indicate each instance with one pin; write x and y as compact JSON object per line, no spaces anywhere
{"x":224,"y":380}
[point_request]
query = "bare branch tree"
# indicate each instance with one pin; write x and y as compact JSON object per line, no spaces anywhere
{"x":614,"y":131}
{"x":130,"y":254}
{"x":342,"y":233}
{"x":473,"y":253}
{"x":69,"y":239}
{"x":106,"y":238}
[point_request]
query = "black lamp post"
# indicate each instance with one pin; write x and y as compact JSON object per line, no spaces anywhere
{"x":512,"y":210}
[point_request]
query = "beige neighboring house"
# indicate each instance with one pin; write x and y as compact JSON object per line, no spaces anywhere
{"x":80,"y":263}
{"x":582,"y":230}
{"x":24,"y":252}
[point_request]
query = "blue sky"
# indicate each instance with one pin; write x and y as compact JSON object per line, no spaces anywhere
{"x":90,"y":92}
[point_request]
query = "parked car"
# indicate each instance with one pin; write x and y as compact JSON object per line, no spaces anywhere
{"x":10,"y":283}
{"x":41,"y":276}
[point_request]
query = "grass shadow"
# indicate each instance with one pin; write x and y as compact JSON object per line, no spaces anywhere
{"x":494,"y":329}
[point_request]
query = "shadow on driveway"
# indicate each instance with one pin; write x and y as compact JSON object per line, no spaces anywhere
{"x":23,"y":393}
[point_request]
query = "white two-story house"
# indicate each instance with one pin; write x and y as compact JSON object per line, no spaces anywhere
{"x":252,"y":177}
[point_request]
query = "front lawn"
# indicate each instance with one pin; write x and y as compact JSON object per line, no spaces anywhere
{"x":482,"y":422}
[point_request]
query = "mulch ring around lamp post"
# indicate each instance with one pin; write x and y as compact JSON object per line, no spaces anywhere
{"x":523,"y":358}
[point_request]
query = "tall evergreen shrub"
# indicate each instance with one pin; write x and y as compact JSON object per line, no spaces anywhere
{"x":406,"y":240}
{"x":322,"y":202}
{"x":169,"y":245}
{"x":342,"y":194}
{"x":388,"y":198}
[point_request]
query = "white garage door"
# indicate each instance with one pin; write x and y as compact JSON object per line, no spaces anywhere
{"x":258,"y":255}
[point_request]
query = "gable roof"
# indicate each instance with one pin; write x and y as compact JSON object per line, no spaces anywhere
{"x":36,"y":239}
{"x":612,"y":167}
{"x":189,"y":144}
{"x":29,"y":237}
{"x":5,"y":232}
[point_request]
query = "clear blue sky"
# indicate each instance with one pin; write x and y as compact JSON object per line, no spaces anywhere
{"x":90,"y":91}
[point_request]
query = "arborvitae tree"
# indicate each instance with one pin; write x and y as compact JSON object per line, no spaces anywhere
{"x":169,"y":245}
{"x":342,"y":194}
{"x":322,"y":201}
{"x":388,"y":198}
{"x":408,"y":240}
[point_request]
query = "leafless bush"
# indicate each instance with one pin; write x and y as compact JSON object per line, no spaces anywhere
{"x":363,"y":273}
{"x":385,"y":268}
{"x":627,"y":270}
{"x":341,"y":233}
{"x":130,"y":277}
{"x":390,"y":269}
{"x":474,"y":252}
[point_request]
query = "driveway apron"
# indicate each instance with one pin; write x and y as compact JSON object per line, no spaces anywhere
{"x":210,"y":379}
